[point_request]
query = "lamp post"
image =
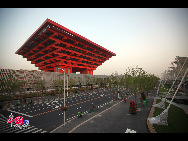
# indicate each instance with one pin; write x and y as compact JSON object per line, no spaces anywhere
{"x":67,"y":84}
{"x":64,"y":95}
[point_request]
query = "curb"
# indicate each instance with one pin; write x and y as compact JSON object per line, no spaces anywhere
{"x":151,"y":114}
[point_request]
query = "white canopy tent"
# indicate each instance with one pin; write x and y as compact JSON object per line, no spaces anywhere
{"x":162,"y":118}
{"x":161,"y":104}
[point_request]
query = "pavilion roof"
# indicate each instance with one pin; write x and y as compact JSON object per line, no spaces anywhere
{"x":61,"y":28}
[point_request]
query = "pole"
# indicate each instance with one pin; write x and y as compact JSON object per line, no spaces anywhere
{"x":158,"y":87}
{"x":64,"y":96}
{"x":67,"y":84}
{"x":177,"y":89}
{"x":175,"y":79}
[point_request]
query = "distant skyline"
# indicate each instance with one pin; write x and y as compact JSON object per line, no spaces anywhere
{"x":148,"y":37}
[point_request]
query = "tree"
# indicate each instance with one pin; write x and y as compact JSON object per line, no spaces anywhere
{"x":113,"y":83}
{"x":99,"y":82}
{"x":9,"y":85}
{"x":138,"y":80}
{"x":21,"y":86}
{"x":149,"y":82}
{"x":87,"y":83}
{"x":60,"y":84}
{"x":92,"y":81}
{"x":134,"y":78}
{"x":71,"y":83}
{"x":39,"y":84}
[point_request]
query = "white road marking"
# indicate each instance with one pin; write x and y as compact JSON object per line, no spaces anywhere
{"x":21,"y":130}
{"x":43,"y":131}
{"x":38,"y":130}
{"x":19,"y":113}
{"x":31,"y":130}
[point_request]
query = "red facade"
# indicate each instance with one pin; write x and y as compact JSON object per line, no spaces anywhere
{"x":52,"y":47}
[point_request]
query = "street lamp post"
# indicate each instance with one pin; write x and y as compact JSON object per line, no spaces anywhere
{"x":64,"y":95}
{"x":67,"y":84}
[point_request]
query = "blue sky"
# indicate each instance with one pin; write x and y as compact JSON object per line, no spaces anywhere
{"x":150,"y":38}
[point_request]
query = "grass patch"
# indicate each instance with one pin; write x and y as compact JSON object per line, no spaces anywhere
{"x":163,"y":89}
{"x":166,"y":89}
{"x":180,"y":101}
{"x":177,"y":120}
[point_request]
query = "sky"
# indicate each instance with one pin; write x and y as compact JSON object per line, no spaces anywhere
{"x":149,"y":38}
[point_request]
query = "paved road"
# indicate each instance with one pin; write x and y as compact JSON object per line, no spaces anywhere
{"x":47,"y":115}
{"x":112,"y":118}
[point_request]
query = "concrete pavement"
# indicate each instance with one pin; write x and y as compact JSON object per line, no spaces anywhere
{"x":117,"y":120}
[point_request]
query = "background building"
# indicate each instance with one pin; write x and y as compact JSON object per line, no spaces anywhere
{"x":30,"y":76}
{"x":173,"y":71}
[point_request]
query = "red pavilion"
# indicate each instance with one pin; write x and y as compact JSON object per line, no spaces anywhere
{"x":53,"y":47}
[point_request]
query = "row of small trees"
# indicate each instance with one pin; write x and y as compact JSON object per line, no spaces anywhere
{"x":135,"y":80}
{"x":11,"y":86}
{"x":58,"y":85}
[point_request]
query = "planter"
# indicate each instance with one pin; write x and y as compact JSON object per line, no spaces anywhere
{"x":132,"y":107}
{"x":132,"y":112}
